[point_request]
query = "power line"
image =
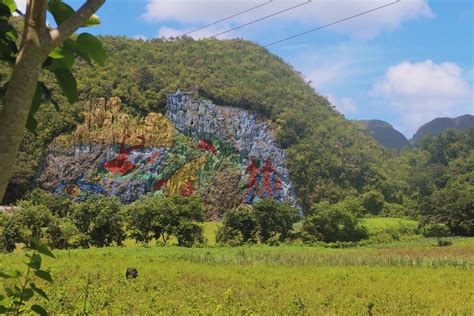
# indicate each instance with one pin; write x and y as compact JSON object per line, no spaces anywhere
{"x":333,"y":23}
{"x":263,"y":18}
{"x":229,"y":17}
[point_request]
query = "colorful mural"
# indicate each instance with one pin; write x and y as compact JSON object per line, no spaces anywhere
{"x":117,"y":154}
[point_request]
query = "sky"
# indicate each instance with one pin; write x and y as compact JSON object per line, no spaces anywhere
{"x":406,"y":64}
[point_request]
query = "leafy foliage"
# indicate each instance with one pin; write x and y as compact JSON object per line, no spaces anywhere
{"x":331,"y":223}
{"x":100,"y":221}
{"x":18,"y":296}
{"x":267,"y":221}
{"x":155,"y":217}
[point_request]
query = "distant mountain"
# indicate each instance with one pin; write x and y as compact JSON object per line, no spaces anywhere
{"x":385,"y":134}
{"x":441,"y":124}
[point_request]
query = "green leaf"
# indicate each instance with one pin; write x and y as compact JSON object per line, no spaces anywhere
{"x":39,"y":310}
{"x":39,"y":291}
{"x":60,"y":11}
{"x":43,"y":249}
{"x":12,"y":34}
{"x":76,"y":48}
{"x":27,"y":294}
{"x":44,"y":275}
{"x":35,"y":262}
{"x":93,"y":47}
{"x":10,"y":4}
{"x":67,"y":83}
{"x":62,"y":58}
{"x":10,"y":275}
{"x":92,"y":21}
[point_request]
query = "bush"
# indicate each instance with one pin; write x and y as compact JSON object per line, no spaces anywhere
{"x":331,"y":223}
{"x":230,"y":236}
{"x":10,"y":233}
{"x":275,"y":219}
{"x":436,"y":230}
{"x":63,"y":234}
{"x":100,"y":221}
{"x":152,"y":217}
{"x":240,"y":226}
{"x":59,"y":206}
{"x":267,"y":221}
{"x":373,"y":202}
{"x":33,"y":219}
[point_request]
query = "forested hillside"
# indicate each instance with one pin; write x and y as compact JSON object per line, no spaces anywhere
{"x":329,"y":157}
{"x":441,"y":124}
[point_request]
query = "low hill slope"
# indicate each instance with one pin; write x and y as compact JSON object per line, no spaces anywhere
{"x":441,"y":124}
{"x":329,"y":157}
{"x":385,"y":134}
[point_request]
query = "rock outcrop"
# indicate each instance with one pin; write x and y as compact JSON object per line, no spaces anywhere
{"x":185,"y":152}
{"x":239,"y":128}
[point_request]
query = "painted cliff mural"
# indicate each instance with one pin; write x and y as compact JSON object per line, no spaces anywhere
{"x":222,"y":154}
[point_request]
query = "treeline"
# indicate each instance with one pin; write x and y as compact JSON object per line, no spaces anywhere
{"x":101,"y":221}
{"x":331,"y":160}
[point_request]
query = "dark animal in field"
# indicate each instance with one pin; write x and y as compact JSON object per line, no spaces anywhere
{"x":131,"y":273}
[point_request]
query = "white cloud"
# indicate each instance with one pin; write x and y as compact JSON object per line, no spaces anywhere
{"x":194,"y":12}
{"x":345,"y":105}
{"x":425,"y":90}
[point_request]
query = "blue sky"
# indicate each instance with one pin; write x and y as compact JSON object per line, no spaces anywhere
{"x":405,"y":64}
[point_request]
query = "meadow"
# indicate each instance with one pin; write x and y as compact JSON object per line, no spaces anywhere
{"x":405,"y":277}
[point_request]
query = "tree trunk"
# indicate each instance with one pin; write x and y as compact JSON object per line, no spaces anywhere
{"x":21,"y":90}
{"x":36,"y":43}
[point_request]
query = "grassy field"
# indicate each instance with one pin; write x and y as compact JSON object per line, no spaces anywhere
{"x":378,"y":224}
{"x":411,"y":277}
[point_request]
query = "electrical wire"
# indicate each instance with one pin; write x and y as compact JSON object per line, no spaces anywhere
{"x":229,"y":17}
{"x":262,"y":18}
{"x":333,"y":23}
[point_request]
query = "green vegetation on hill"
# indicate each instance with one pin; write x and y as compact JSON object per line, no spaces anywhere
{"x":385,"y":134}
{"x":329,"y":157}
{"x":442,"y":124}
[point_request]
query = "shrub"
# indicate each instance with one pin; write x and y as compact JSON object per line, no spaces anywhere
{"x":189,"y":233}
{"x":240,"y":226}
{"x":100,"y":221}
{"x":230,"y":236}
{"x":152,"y":217}
{"x":436,"y":230}
{"x":63,"y":234}
{"x":59,"y":206}
{"x":266,"y":221}
{"x":331,"y":223}
{"x":275,"y":219}
{"x":373,"y":202}
{"x":10,"y":233}
{"x":32,"y":219}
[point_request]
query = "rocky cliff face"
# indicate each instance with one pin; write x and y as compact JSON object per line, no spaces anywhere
{"x":238,"y":128}
{"x":198,"y":148}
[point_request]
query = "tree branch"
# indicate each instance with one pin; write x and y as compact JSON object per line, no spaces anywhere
{"x":74,"y":22}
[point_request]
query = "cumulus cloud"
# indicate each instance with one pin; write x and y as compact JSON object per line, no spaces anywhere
{"x":195,"y":12}
{"x":425,"y":90}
